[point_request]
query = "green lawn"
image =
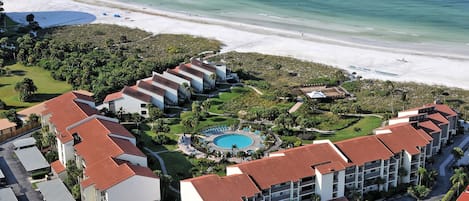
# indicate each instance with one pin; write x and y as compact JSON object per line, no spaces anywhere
{"x":177,"y":164}
{"x":147,"y":135}
{"x":46,"y":85}
{"x":217,"y":103}
{"x":366,"y":125}
{"x":211,"y":120}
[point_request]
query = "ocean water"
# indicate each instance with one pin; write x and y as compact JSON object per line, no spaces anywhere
{"x":431,"y":25}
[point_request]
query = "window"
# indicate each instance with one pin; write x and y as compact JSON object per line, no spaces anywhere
{"x":144,"y":112}
{"x":143,"y":105}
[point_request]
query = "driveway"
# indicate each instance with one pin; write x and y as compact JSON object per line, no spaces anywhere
{"x":443,"y":164}
{"x":16,"y":175}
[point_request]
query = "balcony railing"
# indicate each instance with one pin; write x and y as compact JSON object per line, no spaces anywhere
{"x":303,"y":183}
{"x":305,"y":192}
{"x":280,"y":188}
{"x":372,"y":174}
{"x":351,"y":179}
{"x":350,"y":171}
{"x":373,"y":165}
{"x":281,"y":197}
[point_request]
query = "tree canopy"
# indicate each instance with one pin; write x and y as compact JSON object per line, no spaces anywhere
{"x":26,"y":89}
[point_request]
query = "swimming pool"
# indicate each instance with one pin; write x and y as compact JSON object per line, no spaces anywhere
{"x":227,"y":141}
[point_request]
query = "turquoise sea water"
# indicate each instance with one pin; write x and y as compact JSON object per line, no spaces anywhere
{"x":440,"y":24}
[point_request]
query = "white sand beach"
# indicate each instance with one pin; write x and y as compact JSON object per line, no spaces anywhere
{"x":370,"y":62}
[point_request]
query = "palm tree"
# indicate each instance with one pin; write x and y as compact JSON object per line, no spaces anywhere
{"x":422,"y":172}
{"x":233,"y":147}
{"x":379,"y":181}
{"x":390,"y":86}
{"x":26,"y":88}
{"x":187,"y":88}
{"x":315,"y":197}
{"x":459,"y":178}
{"x":402,"y":172}
{"x":458,"y":153}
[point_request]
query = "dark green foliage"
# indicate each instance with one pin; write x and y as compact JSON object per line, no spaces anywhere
{"x":26,"y":88}
{"x":51,"y":156}
{"x":12,"y":117}
{"x":104,"y":58}
{"x":3,"y":105}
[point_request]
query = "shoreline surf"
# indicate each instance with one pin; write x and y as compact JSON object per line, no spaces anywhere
{"x":430,"y":68}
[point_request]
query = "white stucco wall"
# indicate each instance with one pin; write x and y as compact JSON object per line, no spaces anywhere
{"x":89,"y":194}
{"x":180,"y":81}
{"x":233,"y":170}
{"x":341,"y":184}
{"x":396,"y":121}
{"x":406,"y":162}
{"x":406,"y":113}
{"x":324,"y":185}
{"x":136,"y":160}
{"x":135,"y":188}
{"x":66,"y":151}
{"x":171,"y":94}
{"x":221,"y":72}
{"x":188,"y":192}
{"x":130,"y":104}
{"x":197,"y":83}
{"x":156,"y":99}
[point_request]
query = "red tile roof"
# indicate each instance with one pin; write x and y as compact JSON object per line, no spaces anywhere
{"x":162,"y":80}
{"x":108,"y":172}
{"x":229,"y":188}
{"x":403,"y":137}
{"x":136,"y":94}
{"x":445,"y":109}
{"x":113,"y":96}
{"x":5,"y":124}
{"x":36,"y":109}
{"x":65,"y":111}
{"x":203,"y":65}
{"x":429,"y":126}
{"x":175,"y":72}
{"x":464,"y":195}
{"x":96,"y":143}
{"x":358,"y":149}
{"x":190,"y":70}
{"x":152,"y":88}
{"x":57,"y":167}
{"x":296,"y":163}
{"x":438,"y":117}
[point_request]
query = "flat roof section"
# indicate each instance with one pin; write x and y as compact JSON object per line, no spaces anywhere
{"x":32,"y":159}
{"x":30,"y":141}
{"x":54,"y":190}
{"x":6,"y":194}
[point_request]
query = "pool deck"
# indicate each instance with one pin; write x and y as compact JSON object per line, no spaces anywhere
{"x":256,"y":141}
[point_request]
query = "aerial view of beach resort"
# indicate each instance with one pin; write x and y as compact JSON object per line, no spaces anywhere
{"x":234,"y":100}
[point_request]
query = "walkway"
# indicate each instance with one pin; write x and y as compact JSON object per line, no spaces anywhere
{"x":162,"y":165}
{"x":295,"y":107}
{"x":443,"y":163}
{"x":256,"y":90}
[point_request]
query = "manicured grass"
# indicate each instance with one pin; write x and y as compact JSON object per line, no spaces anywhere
{"x":329,"y":121}
{"x":211,"y":120}
{"x":46,"y":85}
{"x":177,"y":164}
{"x":147,"y":135}
{"x":217,"y":103}
{"x":366,"y":125}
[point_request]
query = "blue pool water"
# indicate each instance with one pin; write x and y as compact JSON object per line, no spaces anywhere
{"x":227,"y":141}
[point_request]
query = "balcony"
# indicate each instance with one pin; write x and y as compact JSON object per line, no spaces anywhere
{"x":309,"y":191}
{"x":372,"y":174}
{"x":280,"y":197}
{"x":349,"y":180}
{"x":308,"y":182}
{"x":280,"y":188}
{"x":350,"y":170}
{"x":373,"y":165}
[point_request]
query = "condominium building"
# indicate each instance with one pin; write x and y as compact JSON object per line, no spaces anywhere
{"x":169,"y":88}
{"x":330,"y":171}
{"x":112,"y":165}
